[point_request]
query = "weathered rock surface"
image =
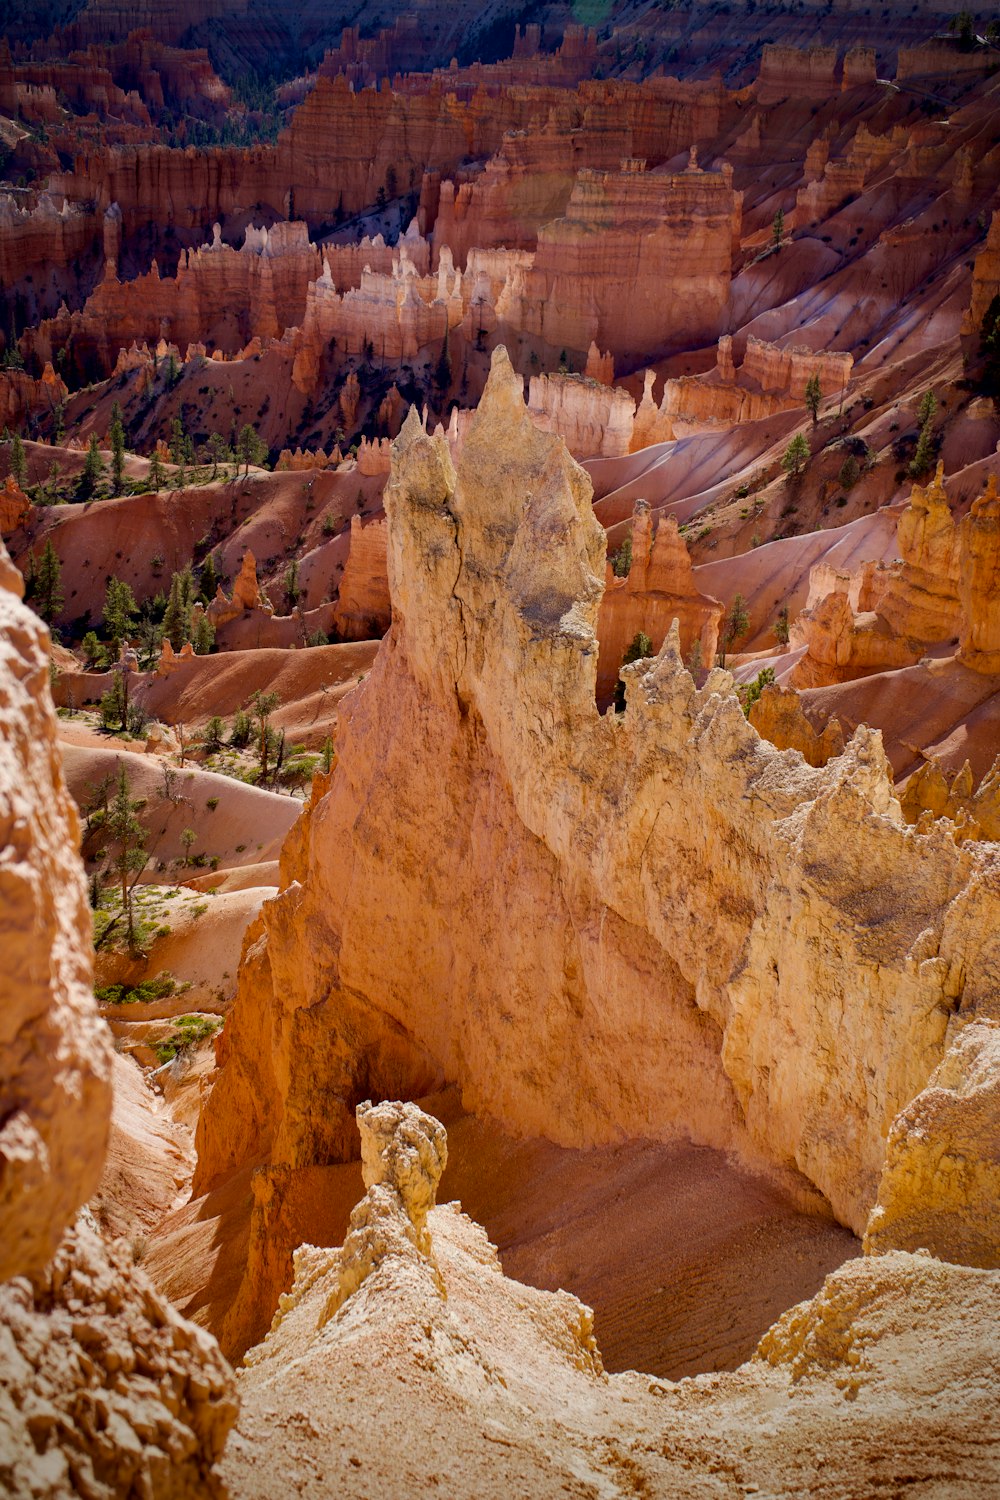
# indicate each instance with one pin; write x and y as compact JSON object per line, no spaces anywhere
{"x":778,"y":716}
{"x":55,"y":1054}
{"x":658,"y":589}
{"x":516,"y":893}
{"x":363,"y":609}
{"x":105,"y":1390}
{"x":887,"y":1376}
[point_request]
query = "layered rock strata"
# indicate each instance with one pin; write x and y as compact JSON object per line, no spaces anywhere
{"x":506,"y":889}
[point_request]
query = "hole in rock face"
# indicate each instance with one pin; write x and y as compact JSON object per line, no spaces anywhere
{"x":685,"y":1258}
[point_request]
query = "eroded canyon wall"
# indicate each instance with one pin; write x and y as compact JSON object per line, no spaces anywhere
{"x":104,"y":1389}
{"x":597,"y":925}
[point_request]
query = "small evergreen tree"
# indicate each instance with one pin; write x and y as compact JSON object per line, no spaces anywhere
{"x":46,"y":594}
{"x":291,"y":583}
{"x":750,"y":693}
{"x":92,"y":473}
{"x":239,"y":734}
{"x":208,"y":580}
{"x":157,"y":474}
{"x":813,"y":397}
{"x":18,"y":462}
{"x":795,"y":456}
{"x":778,"y":229}
{"x":177,"y":451}
{"x":127,"y":840}
{"x":923,"y":455}
{"x":734,"y":627}
{"x":850,"y":472}
{"x":621,"y":561}
{"x":120,"y":611}
{"x":249,"y":448}
{"x":261,"y":707}
{"x":218,"y":450}
{"x":117,"y":450}
{"x":204,"y":635}
{"x":212,"y":737}
{"x":442,"y":370}
{"x":781,"y":626}
{"x":177,"y":615}
{"x":93,"y":652}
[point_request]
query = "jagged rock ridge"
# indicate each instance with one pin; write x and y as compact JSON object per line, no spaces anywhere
{"x":599,"y":926}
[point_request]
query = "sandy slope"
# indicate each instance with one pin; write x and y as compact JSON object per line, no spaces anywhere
{"x":247,"y":826}
{"x":686,"y":1258}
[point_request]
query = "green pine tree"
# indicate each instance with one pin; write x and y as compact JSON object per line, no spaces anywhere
{"x":47,"y":595}
{"x":117,"y":450}
{"x":177,"y":616}
{"x":18,"y":462}
{"x":127,"y":842}
{"x":813,"y":397}
{"x":120,"y":612}
{"x":92,"y":473}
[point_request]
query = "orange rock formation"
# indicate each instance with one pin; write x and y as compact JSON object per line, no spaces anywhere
{"x":363,"y":609}
{"x":360,"y":976}
{"x":658,"y":589}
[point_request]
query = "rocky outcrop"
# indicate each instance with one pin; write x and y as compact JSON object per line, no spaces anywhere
{"x":55,"y":1056}
{"x":985,"y":279}
{"x":885,"y":1378}
{"x":978,"y":564}
{"x":778,"y":716}
{"x":599,"y":270}
{"x":219,"y":298}
{"x":104,"y":1389}
{"x":15,"y":507}
{"x":363,"y":610}
{"x":505,"y":889}
{"x":941,"y":591}
{"x":594,"y":420}
{"x":246,"y":597}
{"x":942,"y":1173}
{"x":658,"y":589}
{"x":796,"y":73}
{"x":975,"y":811}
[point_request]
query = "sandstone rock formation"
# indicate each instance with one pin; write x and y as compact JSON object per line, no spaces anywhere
{"x":598,"y":272}
{"x":929,"y":794}
{"x":592,"y":418}
{"x":15,"y":507}
{"x":363,"y":609}
{"x":888,"y":1374}
{"x":658,"y":589}
{"x":246,"y":598}
{"x":778,"y":716}
{"x":941,"y":591}
{"x":985,"y":278}
{"x":55,"y":1060}
{"x":516,"y":843}
{"x":104,"y":1389}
